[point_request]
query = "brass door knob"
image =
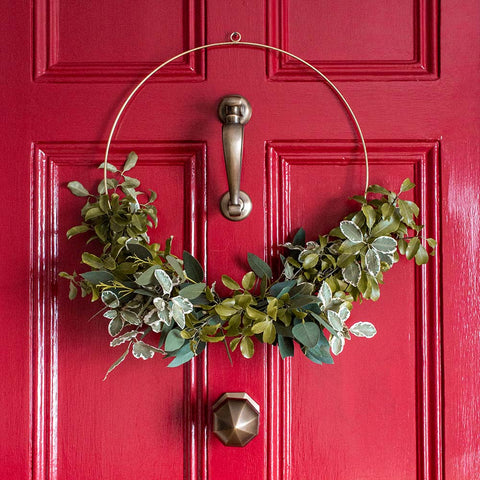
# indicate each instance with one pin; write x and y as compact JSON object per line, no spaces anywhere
{"x":236,"y":418}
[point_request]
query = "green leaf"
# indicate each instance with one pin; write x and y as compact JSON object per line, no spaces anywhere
{"x":351,"y":231}
{"x":131,"y":182}
{"x":370,"y":215}
{"x":246,"y":347}
{"x":78,"y":189}
{"x":131,"y":161}
{"x":320,"y":353}
{"x":96,"y":277}
{"x":387,"y":210}
{"x":176,"y":265}
{"x":146,"y":278}
{"x":192,"y":291}
{"x":110,"y":167}
{"x":421,"y":257}
{"x":260,"y":268}
{"x":72,"y":292}
{"x":260,"y":326}
{"x":285,"y":344}
{"x":248,"y":280}
{"x":307,"y":333}
{"x":230,"y":283}
{"x":138,"y":250}
{"x":184,"y":355}
{"x":174,"y":341}
{"x":76,"y":230}
{"x":384,"y":227}
{"x":385,"y":244}
{"x":269,"y":333}
{"x":406,"y":185}
{"x":310,"y":261}
{"x":432,"y":242}
{"x":412,"y":248}
{"x":360,"y":199}
{"x":192,"y":267}
{"x":299,"y":238}
{"x":377,"y":189}
{"x":92,"y":260}
{"x":93,"y":213}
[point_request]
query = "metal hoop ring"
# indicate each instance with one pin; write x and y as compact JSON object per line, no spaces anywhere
{"x":231,"y":43}
{"x":235,"y":37}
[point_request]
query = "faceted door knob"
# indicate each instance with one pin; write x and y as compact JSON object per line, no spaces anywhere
{"x":236,"y":419}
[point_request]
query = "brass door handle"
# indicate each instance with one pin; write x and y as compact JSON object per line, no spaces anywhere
{"x":235,"y":112}
{"x":236,"y":419}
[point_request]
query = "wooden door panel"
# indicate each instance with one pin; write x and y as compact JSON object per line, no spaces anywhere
{"x":116,"y":41}
{"x":375,"y":410}
{"x":72,"y":409}
{"x":380,"y":40}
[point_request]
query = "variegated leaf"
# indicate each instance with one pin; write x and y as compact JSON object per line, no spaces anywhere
{"x":335,"y":320}
{"x":142,"y":350}
{"x":164,"y":280}
{"x":336,"y":344}
{"x":126,"y":337}
{"x":343,"y":313}
{"x":372,"y":262}
{"x":351,"y":231}
{"x":183,"y":303}
{"x":386,"y":258}
{"x":151,"y":317}
{"x":110,"y":299}
{"x":351,"y":273}
{"x":115,"y":326}
{"x":178,"y":315}
{"x":110,"y":314}
{"x":160,"y":303}
{"x":130,"y":317}
{"x":325,"y":294}
{"x":156,"y":326}
{"x":385,"y":244}
{"x":363,"y":329}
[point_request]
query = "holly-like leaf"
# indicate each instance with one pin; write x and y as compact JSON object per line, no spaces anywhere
{"x":351,"y":231}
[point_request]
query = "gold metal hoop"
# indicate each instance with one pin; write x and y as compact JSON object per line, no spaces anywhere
{"x":235,"y":41}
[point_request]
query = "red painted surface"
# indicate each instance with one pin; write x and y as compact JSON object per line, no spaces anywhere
{"x":401,"y":406}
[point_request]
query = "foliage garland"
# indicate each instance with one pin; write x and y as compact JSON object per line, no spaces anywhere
{"x":147,"y":290}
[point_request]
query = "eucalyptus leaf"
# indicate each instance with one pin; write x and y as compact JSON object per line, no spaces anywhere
{"x":192,"y":267}
{"x":174,"y":341}
{"x":260,"y":268}
{"x":307,"y":333}
{"x":285,"y":344}
{"x":299,"y":238}
{"x":183,"y":355}
{"x":192,"y":291}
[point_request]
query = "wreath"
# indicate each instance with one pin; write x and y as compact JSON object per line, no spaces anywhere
{"x":156,"y":302}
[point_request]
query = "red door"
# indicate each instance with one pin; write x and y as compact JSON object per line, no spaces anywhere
{"x":403,"y":405}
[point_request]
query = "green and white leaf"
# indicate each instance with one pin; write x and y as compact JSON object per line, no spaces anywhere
{"x":164,"y":280}
{"x":363,"y":329}
{"x":351,"y":273}
{"x":115,"y":326}
{"x":336,"y":344}
{"x":143,"y":350}
{"x":126,"y":337}
{"x":335,"y":320}
{"x":110,"y":299}
{"x":385,"y":244}
{"x":351,"y":231}
{"x":372,"y":262}
{"x":325,"y":294}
